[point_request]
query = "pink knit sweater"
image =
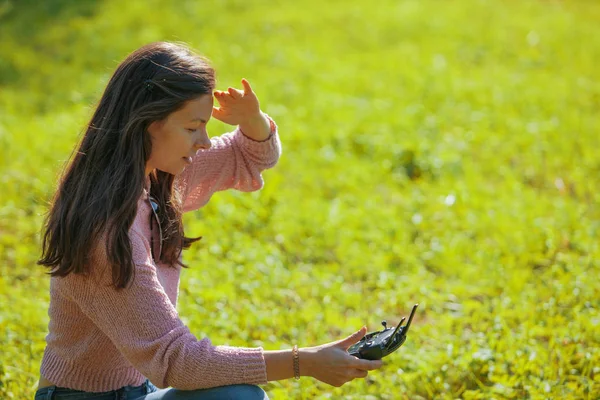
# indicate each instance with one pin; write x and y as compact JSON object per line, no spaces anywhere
{"x":101,"y":339}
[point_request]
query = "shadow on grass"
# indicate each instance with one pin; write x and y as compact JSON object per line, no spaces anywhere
{"x":27,"y":18}
{"x":22,"y":21}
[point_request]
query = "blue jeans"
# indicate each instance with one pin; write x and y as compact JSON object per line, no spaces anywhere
{"x":147,"y":391}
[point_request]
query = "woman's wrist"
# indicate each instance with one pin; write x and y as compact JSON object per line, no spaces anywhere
{"x":306,"y":356}
{"x":257,"y":128}
{"x":280,"y":363}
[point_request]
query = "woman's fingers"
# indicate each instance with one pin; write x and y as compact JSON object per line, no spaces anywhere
{"x":367,"y":365}
{"x":357,"y":373}
{"x":226,"y":98}
{"x":246,"y":85}
{"x":236,"y":94}
{"x":222,"y":96}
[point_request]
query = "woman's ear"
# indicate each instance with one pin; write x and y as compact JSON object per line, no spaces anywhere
{"x":154,"y":127}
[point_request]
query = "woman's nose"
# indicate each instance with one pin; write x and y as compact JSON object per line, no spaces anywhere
{"x":203,"y":142}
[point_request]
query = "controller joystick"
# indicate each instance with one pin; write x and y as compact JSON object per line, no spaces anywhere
{"x":376,"y":345}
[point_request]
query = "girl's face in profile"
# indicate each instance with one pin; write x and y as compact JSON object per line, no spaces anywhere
{"x":177,"y":138}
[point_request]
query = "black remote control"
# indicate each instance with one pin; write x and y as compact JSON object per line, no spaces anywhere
{"x":376,"y":345}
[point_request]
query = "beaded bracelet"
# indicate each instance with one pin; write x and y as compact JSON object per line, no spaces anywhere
{"x":296,"y":362}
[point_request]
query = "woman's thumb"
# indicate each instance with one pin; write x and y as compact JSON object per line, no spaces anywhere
{"x":355,"y":337}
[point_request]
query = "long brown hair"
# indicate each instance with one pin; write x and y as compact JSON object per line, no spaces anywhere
{"x":98,"y":192}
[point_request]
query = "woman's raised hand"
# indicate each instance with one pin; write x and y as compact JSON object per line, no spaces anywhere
{"x":236,"y":106}
{"x":331,"y":363}
{"x":242,"y":108}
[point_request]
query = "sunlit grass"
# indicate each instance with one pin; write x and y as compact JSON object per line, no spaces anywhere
{"x":444,"y":153}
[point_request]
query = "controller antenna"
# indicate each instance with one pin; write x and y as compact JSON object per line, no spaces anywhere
{"x":404,"y":329}
{"x":411,"y":317}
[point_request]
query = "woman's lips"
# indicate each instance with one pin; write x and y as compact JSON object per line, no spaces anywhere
{"x":187,"y":159}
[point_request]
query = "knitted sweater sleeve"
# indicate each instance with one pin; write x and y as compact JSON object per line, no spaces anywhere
{"x":145,"y":327}
{"x":234,"y":161}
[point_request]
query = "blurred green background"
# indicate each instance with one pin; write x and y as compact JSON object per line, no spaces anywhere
{"x":439,"y":152}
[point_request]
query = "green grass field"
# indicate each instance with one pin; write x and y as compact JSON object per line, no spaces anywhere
{"x":436,"y":152}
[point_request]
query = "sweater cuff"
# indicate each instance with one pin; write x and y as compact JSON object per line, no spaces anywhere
{"x":252,"y":369}
{"x":265,"y":151}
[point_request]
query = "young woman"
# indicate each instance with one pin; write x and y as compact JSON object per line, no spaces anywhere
{"x":114,"y":238}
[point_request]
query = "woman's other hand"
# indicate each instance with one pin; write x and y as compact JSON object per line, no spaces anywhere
{"x":331,"y":363}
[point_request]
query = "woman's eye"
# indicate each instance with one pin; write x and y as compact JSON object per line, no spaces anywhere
{"x":191,"y":130}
